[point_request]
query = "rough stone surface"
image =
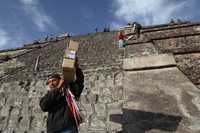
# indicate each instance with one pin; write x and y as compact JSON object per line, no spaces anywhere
{"x":189,"y":64}
{"x":160,"y":100}
{"x":142,"y":49}
{"x":151,"y":61}
{"x":166,"y":92}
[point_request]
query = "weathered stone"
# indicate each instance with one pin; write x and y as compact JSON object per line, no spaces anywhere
{"x":83,"y":128}
{"x":93,"y":98}
{"x":87,"y":110}
{"x":118,"y":93}
{"x":5,"y":111}
{"x":168,"y":86}
{"x":3,"y":122}
{"x":24,"y":122}
{"x":114,"y":113}
{"x":106,"y":91}
{"x":189,"y":64}
{"x":13,"y":122}
{"x":34,"y":101}
{"x":105,"y":99}
{"x":2,"y":101}
{"x":18,"y":102}
{"x":84,"y":99}
{"x":152,"y":61}
{"x":15,"y":111}
{"x":142,"y":49}
{"x":10,"y":100}
{"x":100,"y":109}
{"x":27,"y":110}
{"x":37,"y":123}
{"x":97,"y":131}
{"x":97,"y":124}
{"x":178,"y":45}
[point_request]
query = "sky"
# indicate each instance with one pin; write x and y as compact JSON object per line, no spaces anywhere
{"x":24,"y":21}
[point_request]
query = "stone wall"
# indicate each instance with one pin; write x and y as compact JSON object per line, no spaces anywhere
{"x":183,"y":42}
{"x":160,"y":100}
{"x":20,"y":111}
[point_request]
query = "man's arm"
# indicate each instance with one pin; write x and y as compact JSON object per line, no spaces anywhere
{"x":77,"y":86}
{"x":49,"y":99}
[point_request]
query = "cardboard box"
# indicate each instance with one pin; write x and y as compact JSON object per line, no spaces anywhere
{"x":70,"y":54}
{"x":69,"y":60}
{"x":68,"y":69}
{"x":73,"y":45}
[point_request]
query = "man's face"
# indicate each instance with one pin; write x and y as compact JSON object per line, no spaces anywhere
{"x":53,"y":83}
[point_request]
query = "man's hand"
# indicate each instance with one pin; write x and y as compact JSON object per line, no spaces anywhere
{"x":76,"y":63}
{"x":61,"y":83}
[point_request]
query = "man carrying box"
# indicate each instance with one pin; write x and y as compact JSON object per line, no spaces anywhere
{"x":58,"y":102}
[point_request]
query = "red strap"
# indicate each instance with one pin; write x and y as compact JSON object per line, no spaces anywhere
{"x":73,"y":111}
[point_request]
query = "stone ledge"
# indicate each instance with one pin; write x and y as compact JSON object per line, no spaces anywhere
{"x":152,"y":61}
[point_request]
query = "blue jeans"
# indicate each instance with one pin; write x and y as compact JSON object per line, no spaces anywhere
{"x":70,"y":130}
{"x":120,"y":43}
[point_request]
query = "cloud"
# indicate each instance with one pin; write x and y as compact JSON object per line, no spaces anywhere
{"x":148,"y":12}
{"x":37,"y":14}
{"x":9,"y":39}
{"x":4,"y":38}
{"x":29,"y":2}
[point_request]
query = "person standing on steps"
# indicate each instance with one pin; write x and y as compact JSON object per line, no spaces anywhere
{"x":60,"y":117}
{"x":120,"y":37}
{"x":136,"y":29}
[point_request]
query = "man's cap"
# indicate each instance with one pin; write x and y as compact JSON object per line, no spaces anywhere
{"x":53,"y":76}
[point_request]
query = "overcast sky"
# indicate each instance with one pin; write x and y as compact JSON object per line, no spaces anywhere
{"x":23,"y":21}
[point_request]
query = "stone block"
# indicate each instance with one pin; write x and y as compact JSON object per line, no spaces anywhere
{"x":3,"y":121}
{"x":105,"y":99}
{"x":33,"y":94}
{"x":97,"y":124}
{"x":117,"y":93}
{"x":2,"y":101}
{"x":114,"y":113}
{"x":18,"y":102}
{"x":8,"y":131}
{"x":15,"y":111}
{"x":5,"y":111}
{"x":10,"y":100}
{"x":13,"y":122}
{"x":97,"y":131}
{"x":143,"y":49}
{"x":151,"y":61}
{"x":36,"y":123}
{"x":100,"y":109}
{"x":87,"y":110}
{"x":115,"y":105}
{"x":26,"y":110}
{"x":83,"y":128}
{"x":84,"y":99}
{"x":37,"y":110}
{"x":24,"y":122}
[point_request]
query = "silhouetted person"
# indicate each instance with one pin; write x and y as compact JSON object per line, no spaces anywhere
{"x":136,"y":28}
{"x":96,"y":29}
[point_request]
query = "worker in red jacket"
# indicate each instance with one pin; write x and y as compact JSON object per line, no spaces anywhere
{"x":121,"y":38}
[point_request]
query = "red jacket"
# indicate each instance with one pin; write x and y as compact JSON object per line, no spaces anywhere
{"x":120,"y":36}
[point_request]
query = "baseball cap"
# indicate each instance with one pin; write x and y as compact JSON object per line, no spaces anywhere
{"x":53,"y":76}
